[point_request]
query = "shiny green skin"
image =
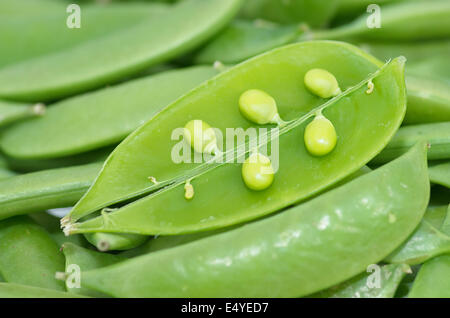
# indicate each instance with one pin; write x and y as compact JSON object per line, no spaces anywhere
{"x":120,"y":178}
{"x":13,"y":112}
{"x":5,"y":171}
{"x":440,"y":174}
{"x":244,"y":39}
{"x":46,"y":189}
{"x":356,"y":287}
{"x":28,"y":254}
{"x":407,"y":21}
{"x":433,"y":279}
{"x":436,"y":134}
{"x":49,"y":28}
{"x":289,"y":254}
{"x":115,"y":242}
{"x":426,"y":242}
{"x":103,"y":118}
{"x":437,"y":68}
{"x":117,"y":55}
{"x":316,"y":13}
{"x":9,"y":290}
{"x":30,"y":7}
{"x":87,"y":260}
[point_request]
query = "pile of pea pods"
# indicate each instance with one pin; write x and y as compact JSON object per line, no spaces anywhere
{"x":117,"y":179}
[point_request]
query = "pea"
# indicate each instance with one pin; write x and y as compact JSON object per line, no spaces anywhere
{"x":259,"y":107}
{"x":322,"y":83}
{"x":200,"y":136}
{"x":320,"y":136}
{"x":257,"y":172}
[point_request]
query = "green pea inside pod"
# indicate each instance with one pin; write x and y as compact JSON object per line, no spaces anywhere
{"x":201,"y":137}
{"x":259,"y":107}
{"x":257,"y":172}
{"x":320,"y":136}
{"x":322,"y":83}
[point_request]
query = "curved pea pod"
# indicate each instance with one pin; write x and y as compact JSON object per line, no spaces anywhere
{"x":102,"y":118}
{"x":433,"y":279}
{"x":426,"y":242}
{"x":379,"y":281}
{"x":47,"y":32}
{"x":28,"y":255}
{"x":436,"y":134}
{"x":46,"y":189}
{"x":12,"y":112}
{"x":115,"y":242}
{"x":301,"y":243}
{"x":407,"y":21}
{"x":122,"y":53}
{"x":85,"y":260}
{"x":244,"y":39}
{"x":10,"y":290}
{"x":316,"y":13}
{"x":115,"y":183}
{"x":440,"y":174}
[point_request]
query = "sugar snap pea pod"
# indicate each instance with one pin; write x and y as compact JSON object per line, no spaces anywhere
{"x":28,"y":255}
{"x":29,"y":7}
{"x":86,"y":260}
{"x":5,"y":171}
{"x":301,"y":243}
{"x":440,"y":174}
{"x":436,"y":134}
{"x":115,"y":242}
{"x":404,"y":21}
{"x":49,"y":28}
{"x":437,"y":68}
{"x":244,"y":39}
{"x":377,"y":282}
{"x":46,"y":189}
{"x":426,"y":242}
{"x":316,"y":13}
{"x":122,"y":53}
{"x":433,"y":279}
{"x":12,"y":112}
{"x":103,"y":117}
{"x":242,"y":203}
{"x":11,"y":290}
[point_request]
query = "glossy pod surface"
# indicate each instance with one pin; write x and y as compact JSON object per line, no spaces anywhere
{"x":316,"y":173}
{"x":440,"y":174}
{"x":121,"y":54}
{"x":301,"y":243}
{"x":13,"y":112}
{"x":433,"y":279}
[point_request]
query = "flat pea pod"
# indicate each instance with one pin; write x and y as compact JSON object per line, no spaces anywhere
{"x":121,"y":53}
{"x":13,"y":112}
{"x":289,"y":65}
{"x":436,"y":134}
{"x":28,"y":255}
{"x":440,"y":174}
{"x":102,"y":118}
{"x":433,"y":279}
{"x":115,"y":242}
{"x":11,"y":290}
{"x":45,"y":189}
{"x":405,"y":21}
{"x":301,"y":243}
{"x":376,"y":282}
{"x":86,"y":260}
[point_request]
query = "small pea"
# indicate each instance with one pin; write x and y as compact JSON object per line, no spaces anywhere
{"x":322,"y":83}
{"x":259,"y":107}
{"x":320,"y":136}
{"x":257,"y":172}
{"x":201,"y":136}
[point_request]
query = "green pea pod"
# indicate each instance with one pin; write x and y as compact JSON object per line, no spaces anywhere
{"x":433,"y":279}
{"x":440,"y":174}
{"x":316,"y":13}
{"x":302,"y":243}
{"x":5,"y":171}
{"x":437,"y":135}
{"x":86,"y":260}
{"x":46,"y":189}
{"x":288,"y":65}
{"x":47,"y":32}
{"x":115,"y":242}
{"x":437,"y":68}
{"x":123,"y":53}
{"x":30,"y":7}
{"x":9,"y":290}
{"x":103,"y":117}
{"x":405,"y":21}
{"x":13,"y":112}
{"x":426,"y":242}
{"x":28,"y":255}
{"x":376,"y":282}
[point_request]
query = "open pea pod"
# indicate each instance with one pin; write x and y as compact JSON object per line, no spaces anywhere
{"x":125,"y":178}
{"x":440,"y":174}
{"x":121,"y":53}
{"x":433,"y":279}
{"x":301,"y":243}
